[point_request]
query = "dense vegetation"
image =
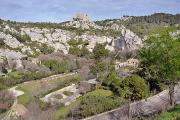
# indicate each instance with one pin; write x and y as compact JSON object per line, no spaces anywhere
{"x":161,"y":61}
{"x":146,"y":25}
{"x":56,"y":66}
{"x":159,"y":69}
{"x":97,"y":102}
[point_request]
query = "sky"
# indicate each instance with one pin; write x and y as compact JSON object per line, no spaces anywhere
{"x":64,"y":10}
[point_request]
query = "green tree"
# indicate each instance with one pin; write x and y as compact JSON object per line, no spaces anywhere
{"x":99,"y":51}
{"x":115,"y":83}
{"x":135,"y":88}
{"x":100,"y":70}
{"x":160,"y":58}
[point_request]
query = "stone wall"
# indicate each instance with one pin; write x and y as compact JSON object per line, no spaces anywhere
{"x":151,"y":105}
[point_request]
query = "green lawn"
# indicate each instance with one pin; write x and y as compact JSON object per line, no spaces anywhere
{"x":101,"y":92}
{"x":41,"y":87}
{"x":173,"y":114}
{"x":68,"y":93}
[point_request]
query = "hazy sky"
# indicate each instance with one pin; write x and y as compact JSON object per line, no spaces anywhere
{"x":62,"y":10}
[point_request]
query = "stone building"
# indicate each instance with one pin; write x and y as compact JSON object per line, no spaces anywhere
{"x":129,"y":63}
{"x":81,"y":17}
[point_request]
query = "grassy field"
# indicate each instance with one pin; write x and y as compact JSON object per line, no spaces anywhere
{"x":64,"y":111}
{"x":39,"y":88}
{"x":173,"y":114}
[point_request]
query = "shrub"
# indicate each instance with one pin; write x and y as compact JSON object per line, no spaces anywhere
{"x":16,"y":77}
{"x":99,"y":51}
{"x":56,"y":66}
{"x":2,"y":44}
{"x":75,"y":51}
{"x":75,"y":43}
{"x":21,"y":38}
{"x":135,"y":87}
{"x":92,"y":104}
{"x":45,"y":49}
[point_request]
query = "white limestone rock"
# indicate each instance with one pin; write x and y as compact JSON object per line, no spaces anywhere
{"x":128,"y":41}
{"x":10,"y":40}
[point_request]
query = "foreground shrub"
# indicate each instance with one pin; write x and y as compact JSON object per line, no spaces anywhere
{"x":135,"y":88}
{"x":97,"y":102}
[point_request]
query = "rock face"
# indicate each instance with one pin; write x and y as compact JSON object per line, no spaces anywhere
{"x":11,"y":54}
{"x":58,"y":38}
{"x":92,"y":40}
{"x":55,"y":38}
{"x":10,"y":40}
{"x":128,"y":41}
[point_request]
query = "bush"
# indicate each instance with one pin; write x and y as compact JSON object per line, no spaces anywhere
{"x":45,"y":49}
{"x":21,"y":38}
{"x":16,"y":77}
{"x":75,"y":43}
{"x":75,"y":51}
{"x":99,"y":51}
{"x":56,"y":66}
{"x":135,"y":88}
{"x":2,"y":44}
{"x":92,"y":104}
{"x":98,"y":67}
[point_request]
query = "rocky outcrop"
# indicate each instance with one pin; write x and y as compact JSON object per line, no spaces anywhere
{"x":82,"y":21}
{"x":58,"y":38}
{"x":10,"y":40}
{"x":11,"y":54}
{"x":55,"y":38}
{"x":92,"y":40}
{"x":128,"y":41}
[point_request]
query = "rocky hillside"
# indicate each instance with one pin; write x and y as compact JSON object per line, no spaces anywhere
{"x":31,"y":39}
{"x":98,"y":58}
{"x":18,"y":40}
